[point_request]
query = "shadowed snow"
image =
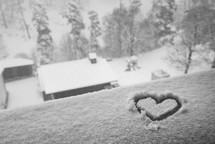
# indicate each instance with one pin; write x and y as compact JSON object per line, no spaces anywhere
{"x":23,"y":93}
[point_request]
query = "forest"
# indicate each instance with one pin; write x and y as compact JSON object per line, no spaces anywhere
{"x":64,"y":30}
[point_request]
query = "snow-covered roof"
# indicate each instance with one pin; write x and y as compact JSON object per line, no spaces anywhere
{"x":15,"y":62}
{"x":74,"y":74}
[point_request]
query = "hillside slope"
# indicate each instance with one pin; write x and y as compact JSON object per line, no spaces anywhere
{"x":102,"y":117}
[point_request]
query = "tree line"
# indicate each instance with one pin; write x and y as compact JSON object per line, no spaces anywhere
{"x":124,"y":31}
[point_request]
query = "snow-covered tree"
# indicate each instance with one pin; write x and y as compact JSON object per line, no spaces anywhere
{"x":193,"y":32}
{"x":75,"y":19}
{"x":130,"y":38}
{"x":95,"y":30}
{"x":66,"y":52}
{"x":44,"y":39}
{"x":162,"y":18}
{"x":180,"y":54}
{"x":122,"y":30}
{"x":114,"y":26}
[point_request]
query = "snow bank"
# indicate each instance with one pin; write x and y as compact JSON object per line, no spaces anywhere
{"x":102,"y":117}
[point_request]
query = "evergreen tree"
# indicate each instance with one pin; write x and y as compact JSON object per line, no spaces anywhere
{"x":122,"y":33}
{"x":114,"y":27}
{"x":74,"y":17}
{"x":66,"y":52}
{"x":130,"y":38}
{"x":120,"y":16}
{"x":162,"y":18}
{"x":44,"y":39}
{"x":95,"y":30}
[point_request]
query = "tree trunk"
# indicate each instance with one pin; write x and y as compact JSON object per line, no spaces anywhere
{"x":213,"y":63}
{"x":213,"y":42}
{"x":76,"y":48}
{"x":69,"y":46}
{"x":3,"y":16}
{"x":189,"y":61}
{"x":23,"y":18}
{"x":120,"y":41}
{"x":120,"y":30}
{"x":132,"y":35}
{"x":186,"y":68}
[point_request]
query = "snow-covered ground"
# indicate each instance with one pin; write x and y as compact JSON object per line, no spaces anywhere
{"x":148,"y":62}
{"x":23,"y":92}
{"x":103,"y":118}
{"x":26,"y":92}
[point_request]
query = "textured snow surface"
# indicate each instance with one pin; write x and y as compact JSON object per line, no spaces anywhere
{"x":102,"y":117}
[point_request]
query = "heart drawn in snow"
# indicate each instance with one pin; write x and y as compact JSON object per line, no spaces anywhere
{"x":158,"y":99}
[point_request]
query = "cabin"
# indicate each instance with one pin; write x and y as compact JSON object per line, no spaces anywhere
{"x":16,"y":68}
{"x":3,"y":91}
{"x":75,"y":77}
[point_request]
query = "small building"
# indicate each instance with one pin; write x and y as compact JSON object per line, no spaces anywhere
{"x":3,"y":91}
{"x":158,"y":74}
{"x":16,"y":68}
{"x":75,"y":77}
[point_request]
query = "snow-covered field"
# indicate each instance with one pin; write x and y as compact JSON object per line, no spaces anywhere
{"x":102,"y":117}
{"x":26,"y":91}
{"x":149,"y":62}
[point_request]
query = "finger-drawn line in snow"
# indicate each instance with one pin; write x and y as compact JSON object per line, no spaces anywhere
{"x":158,"y":99}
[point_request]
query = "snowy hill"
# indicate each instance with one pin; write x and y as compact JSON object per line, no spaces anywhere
{"x":102,"y":117}
{"x":148,"y":62}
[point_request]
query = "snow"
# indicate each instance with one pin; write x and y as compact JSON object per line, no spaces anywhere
{"x":75,"y":74}
{"x":24,"y":93}
{"x":102,"y":117}
{"x":16,"y":44}
{"x":15,"y":62}
{"x":149,"y":62}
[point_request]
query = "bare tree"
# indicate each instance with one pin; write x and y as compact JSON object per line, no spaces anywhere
{"x":180,"y":54}
{"x":3,"y":15}
{"x":191,"y":35}
{"x":23,"y":19}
